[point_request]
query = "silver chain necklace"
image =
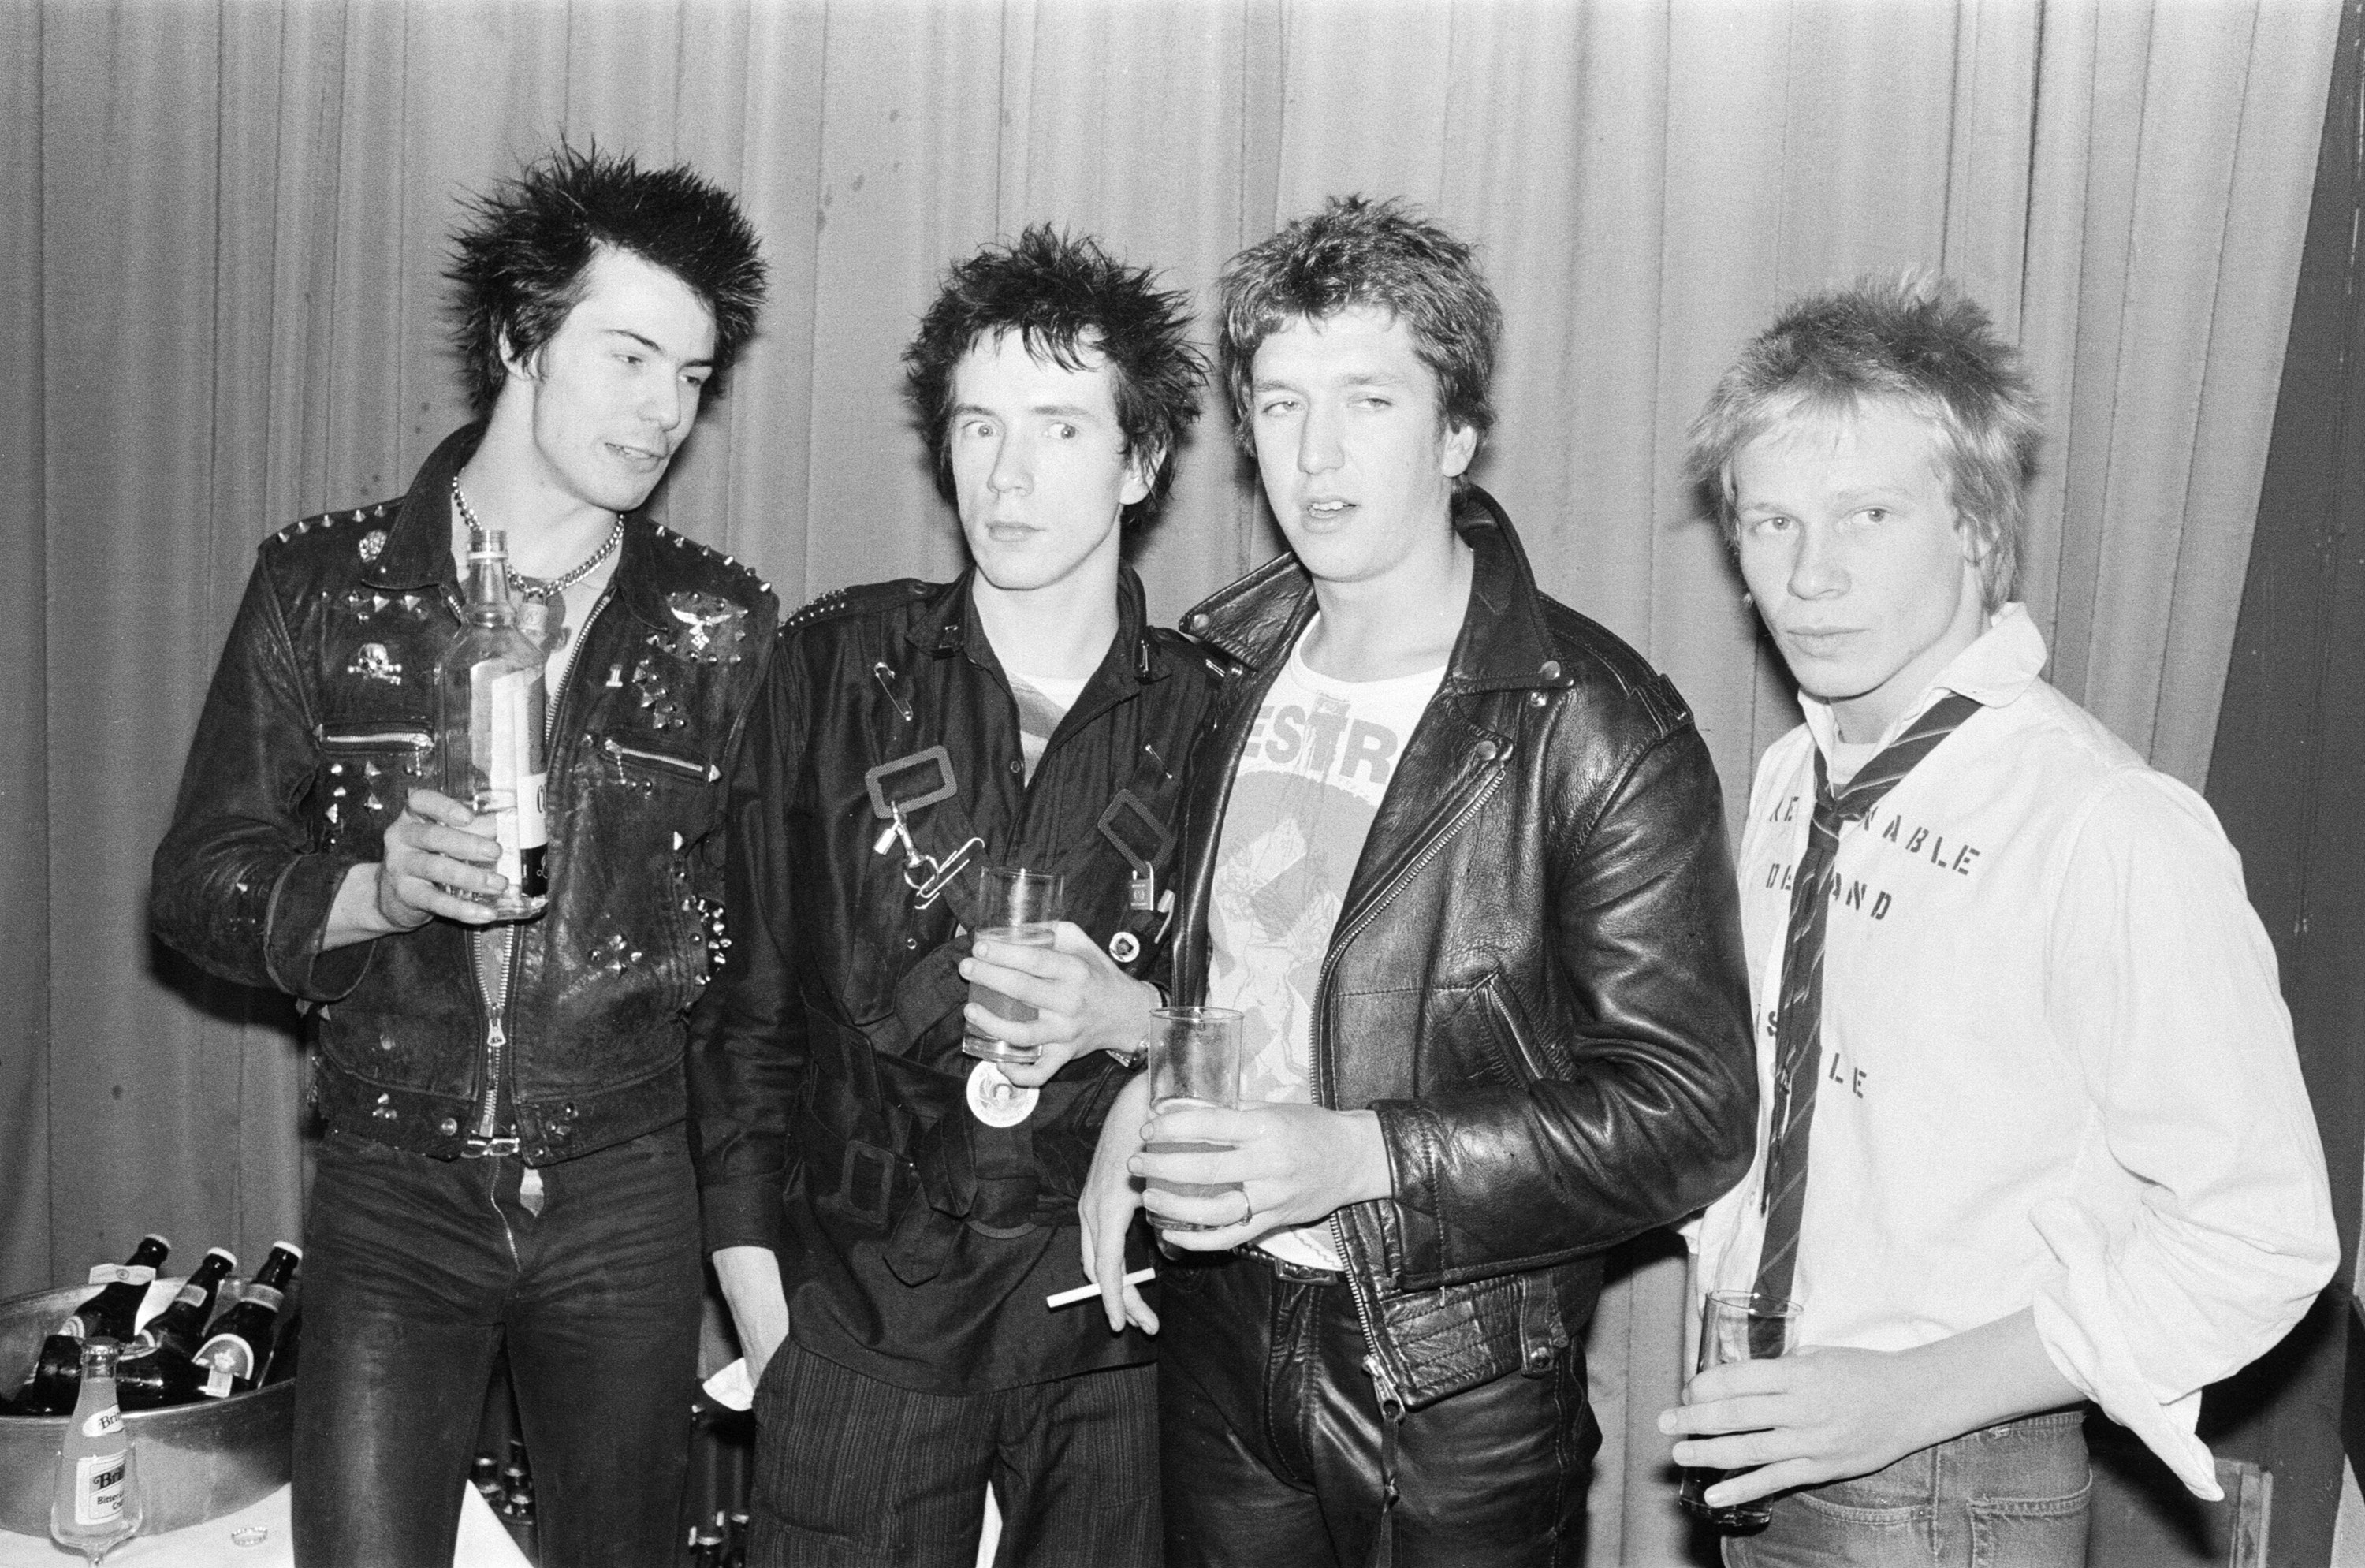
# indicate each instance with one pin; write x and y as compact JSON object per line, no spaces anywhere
{"x":543,"y":588}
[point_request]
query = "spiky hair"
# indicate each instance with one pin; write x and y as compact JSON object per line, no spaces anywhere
{"x":523,"y":259}
{"x":1381,"y":256}
{"x":1916,"y":343}
{"x":1063,"y":296}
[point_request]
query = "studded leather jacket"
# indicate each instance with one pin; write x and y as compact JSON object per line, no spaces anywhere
{"x":320,"y":719}
{"x":1535,"y":978}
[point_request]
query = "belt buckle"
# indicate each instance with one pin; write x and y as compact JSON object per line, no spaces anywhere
{"x":483,"y":1148}
{"x":1299,"y":1273}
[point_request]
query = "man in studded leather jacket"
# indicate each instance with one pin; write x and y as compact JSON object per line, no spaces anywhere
{"x":1458,"y":855}
{"x":504,"y":1161}
{"x":888,"y":1214}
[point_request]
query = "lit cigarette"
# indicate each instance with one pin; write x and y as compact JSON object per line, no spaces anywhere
{"x":1086,"y":1293}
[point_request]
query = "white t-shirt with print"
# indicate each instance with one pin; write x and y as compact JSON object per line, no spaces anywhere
{"x":1308,"y":784}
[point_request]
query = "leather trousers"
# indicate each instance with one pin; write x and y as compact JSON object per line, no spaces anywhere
{"x":1275,"y":1448}
{"x":417,"y":1270}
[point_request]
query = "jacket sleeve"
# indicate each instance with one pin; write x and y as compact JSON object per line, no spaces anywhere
{"x":1642,"y":1103}
{"x":748,"y":1033}
{"x":235,"y":885}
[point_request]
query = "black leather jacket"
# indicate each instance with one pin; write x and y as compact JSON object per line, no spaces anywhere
{"x":1536,"y":976}
{"x":826,"y":1075}
{"x":320,"y":719}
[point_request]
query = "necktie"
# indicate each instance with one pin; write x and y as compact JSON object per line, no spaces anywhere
{"x":1799,"y":1024}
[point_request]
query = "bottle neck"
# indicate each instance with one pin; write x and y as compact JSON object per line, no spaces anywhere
{"x":489,"y":581}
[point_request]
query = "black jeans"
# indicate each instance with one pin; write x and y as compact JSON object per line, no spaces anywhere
{"x":853,"y":1472}
{"x":417,"y":1270}
{"x":1272,"y":1438}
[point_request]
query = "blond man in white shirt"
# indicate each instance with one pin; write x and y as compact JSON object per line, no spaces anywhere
{"x":2038,"y":1136}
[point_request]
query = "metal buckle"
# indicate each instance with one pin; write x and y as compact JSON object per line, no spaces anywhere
{"x":1142,"y":893}
{"x":885,"y":807}
{"x":925,"y":874}
{"x":480,"y":1147}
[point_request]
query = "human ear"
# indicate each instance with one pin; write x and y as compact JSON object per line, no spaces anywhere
{"x":1461,"y":446}
{"x":1140,"y":472}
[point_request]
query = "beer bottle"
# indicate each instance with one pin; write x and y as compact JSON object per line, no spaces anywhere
{"x":154,"y":1379}
{"x":490,"y":704}
{"x":94,"y":1506}
{"x":237,"y":1350}
{"x":110,"y":1312}
{"x":178,"y":1328}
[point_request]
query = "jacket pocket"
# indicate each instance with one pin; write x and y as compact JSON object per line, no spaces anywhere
{"x":369,"y":770}
{"x":643,"y":760}
{"x":1510,"y":1033}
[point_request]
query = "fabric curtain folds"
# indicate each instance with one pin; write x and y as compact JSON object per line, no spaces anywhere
{"x":221,"y":230}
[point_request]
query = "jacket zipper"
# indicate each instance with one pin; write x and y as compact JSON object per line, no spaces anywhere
{"x":497,"y":1014}
{"x":408,"y":736}
{"x":618,"y":750}
{"x":1392,"y":1404}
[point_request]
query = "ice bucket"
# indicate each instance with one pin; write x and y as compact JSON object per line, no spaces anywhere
{"x":196,"y":1461}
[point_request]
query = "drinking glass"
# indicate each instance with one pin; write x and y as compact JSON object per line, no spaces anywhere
{"x":1195,"y":1059}
{"x":1738,"y":1326}
{"x":1020,"y":907}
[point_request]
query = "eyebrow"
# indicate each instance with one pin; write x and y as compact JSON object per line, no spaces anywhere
{"x":1057,"y":410}
{"x":1353,"y":378}
{"x":657,"y":348}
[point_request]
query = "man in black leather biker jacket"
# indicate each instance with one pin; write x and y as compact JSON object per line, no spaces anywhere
{"x":505,"y":1160}
{"x":1459,"y":856}
{"x":888,"y":1214}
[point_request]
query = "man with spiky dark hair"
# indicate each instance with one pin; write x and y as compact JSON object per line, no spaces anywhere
{"x":888,"y":1215}
{"x":505,"y":1161}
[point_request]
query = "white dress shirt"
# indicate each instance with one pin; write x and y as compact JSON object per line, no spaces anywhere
{"x":2056,"y":1071}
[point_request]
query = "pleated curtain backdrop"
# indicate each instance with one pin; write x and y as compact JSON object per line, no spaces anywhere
{"x":221,"y":230}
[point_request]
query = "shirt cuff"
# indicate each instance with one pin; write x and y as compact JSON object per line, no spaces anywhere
{"x":2081,"y":1332}
{"x":744,"y":1211}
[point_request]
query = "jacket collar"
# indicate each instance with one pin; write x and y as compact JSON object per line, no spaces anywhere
{"x":945,"y":622}
{"x":417,"y":552}
{"x":1503,"y":645}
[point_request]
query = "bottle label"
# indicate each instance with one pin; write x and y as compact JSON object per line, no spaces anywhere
{"x":121,"y":1274}
{"x":98,"y":1487}
{"x":104,"y":1421}
{"x":514,"y":777}
{"x":189,"y":1295}
{"x":228,"y":1353}
{"x":264,"y":1296}
{"x":217,"y":1384}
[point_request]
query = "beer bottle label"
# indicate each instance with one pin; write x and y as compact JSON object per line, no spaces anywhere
{"x":265,"y":1296}
{"x":102,"y":1422}
{"x":229,"y":1353}
{"x":217,"y":1384}
{"x":189,"y":1295}
{"x":121,"y":1274}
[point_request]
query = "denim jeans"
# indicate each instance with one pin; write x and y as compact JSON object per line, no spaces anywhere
{"x":2008,"y":1497}
{"x":417,"y":1270}
{"x":853,"y":1472}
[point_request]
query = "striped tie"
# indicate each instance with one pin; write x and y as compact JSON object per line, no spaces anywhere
{"x":1798,"y":1026}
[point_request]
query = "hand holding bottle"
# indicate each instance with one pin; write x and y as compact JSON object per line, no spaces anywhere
{"x":437,"y":852}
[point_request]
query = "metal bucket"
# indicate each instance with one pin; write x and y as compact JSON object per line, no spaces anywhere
{"x":196,"y":1461}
